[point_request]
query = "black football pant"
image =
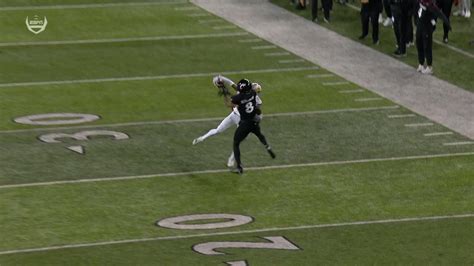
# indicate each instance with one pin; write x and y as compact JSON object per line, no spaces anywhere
{"x":245,"y":128}
{"x":365,"y":15}
{"x":445,"y":6}
{"x":424,"y":44}
{"x":327,"y":6}
{"x":400,"y":27}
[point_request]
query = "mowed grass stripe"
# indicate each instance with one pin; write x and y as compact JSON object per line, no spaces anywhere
{"x":190,"y":75}
{"x":203,"y":119}
{"x":82,"y":6}
{"x":258,"y":168}
{"x":302,"y":227}
{"x":120,"y":40}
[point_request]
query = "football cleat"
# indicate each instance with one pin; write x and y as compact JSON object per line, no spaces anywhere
{"x":427,"y":70}
{"x":420,"y":68}
{"x":272,"y":154}
{"x":238,"y":170}
{"x":197,"y":140}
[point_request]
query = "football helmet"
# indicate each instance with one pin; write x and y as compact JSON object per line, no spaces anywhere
{"x":244,"y":85}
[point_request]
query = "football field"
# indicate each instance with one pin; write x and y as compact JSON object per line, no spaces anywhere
{"x":97,"y":117}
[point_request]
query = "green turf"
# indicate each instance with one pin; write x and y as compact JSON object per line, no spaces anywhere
{"x":449,"y":65}
{"x":62,"y":214}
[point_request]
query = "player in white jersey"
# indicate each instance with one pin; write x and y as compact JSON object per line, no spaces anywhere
{"x":232,"y":119}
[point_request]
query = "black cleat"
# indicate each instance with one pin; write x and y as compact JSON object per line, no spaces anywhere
{"x":272,"y":154}
{"x":239,"y":170}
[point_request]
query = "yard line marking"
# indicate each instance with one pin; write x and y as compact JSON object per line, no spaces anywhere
{"x":277,"y":54}
{"x":438,"y":134}
{"x":419,"y":125}
{"x":335,"y":83}
{"x":210,"y":20}
{"x":289,"y":61}
{"x":217,"y":171}
{"x":458,"y":143}
{"x":198,"y":15}
{"x":368,"y":99}
{"x":135,"y":39}
{"x":351,"y":91}
{"x":192,"y":75}
{"x":313,"y":76}
{"x":436,"y":41}
{"x":14,"y":8}
{"x":250,"y":231}
{"x":401,"y":116}
{"x":262,"y":47}
{"x":251,"y":40}
{"x":186,"y":8}
{"x":227,"y":27}
{"x":389,"y":107}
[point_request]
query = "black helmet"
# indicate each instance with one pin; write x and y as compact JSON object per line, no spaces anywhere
{"x":244,"y":85}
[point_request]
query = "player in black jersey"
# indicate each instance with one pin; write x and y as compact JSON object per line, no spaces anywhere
{"x":250,"y":116}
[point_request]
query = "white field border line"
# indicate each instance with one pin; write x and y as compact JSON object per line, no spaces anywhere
{"x":368,"y":99}
{"x":401,"y":116}
{"x":131,"y":4}
{"x":192,"y":75}
{"x":135,"y":39}
{"x":289,"y":61}
{"x":212,"y":20}
{"x":335,"y":83}
{"x":459,"y":143}
{"x":389,"y":107}
{"x":351,"y":91}
{"x":218,"y":171}
{"x":198,"y":15}
{"x":438,"y":134}
{"x":186,"y":8}
{"x":436,"y":41}
{"x":251,"y":231}
{"x":420,"y":124}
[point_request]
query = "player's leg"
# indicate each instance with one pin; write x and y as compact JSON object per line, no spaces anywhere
{"x":240,"y":134}
{"x":231,"y":160}
{"x":225,"y":124}
{"x":256,"y":130}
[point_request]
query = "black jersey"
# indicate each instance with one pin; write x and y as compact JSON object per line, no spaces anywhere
{"x":247,"y":104}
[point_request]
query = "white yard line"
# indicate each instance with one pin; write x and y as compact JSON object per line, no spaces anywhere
{"x":368,"y":99}
{"x":335,"y":83}
{"x":330,"y":111}
{"x":316,"y":76}
{"x":401,"y":116}
{"x":119,"y":40}
{"x":459,"y":143}
{"x":290,"y":61}
{"x":251,"y":231}
{"x":258,"y":168}
{"x":264,"y":47}
{"x":250,"y":40}
{"x":351,"y":91}
{"x":277,"y":54}
{"x":191,"y":75}
{"x":419,"y":125}
{"x":437,"y":134}
{"x":14,"y":8}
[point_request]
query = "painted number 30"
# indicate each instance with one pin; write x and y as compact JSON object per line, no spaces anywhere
{"x":68,"y":119}
{"x":231,"y":220}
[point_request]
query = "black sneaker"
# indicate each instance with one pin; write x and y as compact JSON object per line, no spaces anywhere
{"x":272,"y":154}
{"x":239,"y":170}
{"x":361,"y":37}
{"x":397,"y":53}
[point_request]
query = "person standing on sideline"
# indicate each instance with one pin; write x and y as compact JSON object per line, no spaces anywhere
{"x":386,"y":6}
{"x":370,"y":10}
{"x":250,"y":117}
{"x":445,"y":6}
{"x":327,"y":6}
{"x":400,"y":12}
{"x":425,"y":25}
